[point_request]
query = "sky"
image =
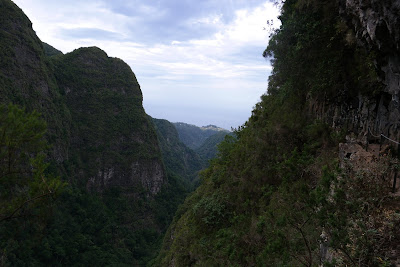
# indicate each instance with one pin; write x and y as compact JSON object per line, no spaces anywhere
{"x":197,"y":61}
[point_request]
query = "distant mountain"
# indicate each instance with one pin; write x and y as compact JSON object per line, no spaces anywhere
{"x":178,"y":158}
{"x":301,"y":184}
{"x":194,"y":136}
{"x":209,"y":148}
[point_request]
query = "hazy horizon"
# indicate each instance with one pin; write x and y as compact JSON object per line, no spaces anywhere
{"x":196,"y":62}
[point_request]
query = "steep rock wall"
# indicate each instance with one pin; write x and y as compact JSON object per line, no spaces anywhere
{"x":178,"y":158}
{"x":26,"y":77}
{"x":376,"y":27}
{"x":100,"y":135}
{"x":113,"y":142}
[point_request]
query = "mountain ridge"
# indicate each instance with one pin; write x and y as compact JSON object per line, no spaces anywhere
{"x":301,"y":185}
{"x":309,"y":179}
{"x":119,"y":198}
{"x":194,"y":136}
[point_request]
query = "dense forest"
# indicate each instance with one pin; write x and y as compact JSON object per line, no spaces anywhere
{"x":284,"y":192}
{"x":88,"y":178}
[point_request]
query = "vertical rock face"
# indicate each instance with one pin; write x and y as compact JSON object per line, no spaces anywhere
{"x":375,"y":21}
{"x":100,"y":135}
{"x":376,"y":26}
{"x":26,"y":77}
{"x":143,"y":174}
{"x":150,"y":173}
{"x":178,"y":158}
{"x":112,"y":138}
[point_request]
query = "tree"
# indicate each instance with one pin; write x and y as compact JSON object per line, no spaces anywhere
{"x":24,"y":185}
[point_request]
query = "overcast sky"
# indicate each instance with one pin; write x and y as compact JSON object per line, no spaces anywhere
{"x":197,"y":61}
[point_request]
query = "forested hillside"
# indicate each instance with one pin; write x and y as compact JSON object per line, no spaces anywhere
{"x":209,"y":149}
{"x":194,"y":136}
{"x":83,"y":177}
{"x":284,"y":192}
{"x":178,"y":158}
{"x":88,"y":178}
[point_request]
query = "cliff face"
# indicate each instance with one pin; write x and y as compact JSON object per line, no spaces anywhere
{"x":178,"y":158}
{"x":375,"y":26}
{"x":118,"y":201}
{"x":26,"y":77}
{"x":376,"y":22}
{"x":100,"y":134}
{"x":270,"y":194}
{"x":113,"y":141}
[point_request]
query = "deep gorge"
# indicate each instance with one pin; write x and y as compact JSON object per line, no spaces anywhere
{"x":304,"y":182}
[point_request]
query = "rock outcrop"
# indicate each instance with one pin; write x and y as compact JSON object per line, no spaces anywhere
{"x":26,"y":77}
{"x":100,"y":134}
{"x":375,"y":25}
{"x":113,"y":141}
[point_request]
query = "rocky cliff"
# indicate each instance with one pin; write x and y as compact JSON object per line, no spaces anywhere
{"x":26,"y":78}
{"x":299,"y":166}
{"x":178,"y":158}
{"x":113,"y":143}
{"x":118,"y":201}
{"x":100,"y":134}
{"x":374,"y":26}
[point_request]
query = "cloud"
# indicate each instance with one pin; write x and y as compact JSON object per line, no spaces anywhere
{"x":90,"y":33}
{"x":176,"y":20}
{"x":195,"y":60}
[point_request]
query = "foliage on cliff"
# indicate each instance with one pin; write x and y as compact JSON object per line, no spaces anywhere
{"x":26,"y":78}
{"x":110,"y":131}
{"x":267,"y":197}
{"x":178,"y":158}
{"x":27,"y":190}
{"x":50,"y":51}
{"x":119,"y":199}
{"x":194,"y":136}
{"x":208,"y":150}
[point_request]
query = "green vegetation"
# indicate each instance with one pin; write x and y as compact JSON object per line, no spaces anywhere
{"x":27,"y":79}
{"x":26,"y":189}
{"x":91,"y":229}
{"x":110,"y":129}
{"x":273,"y":188}
{"x":119,"y":200}
{"x":50,"y":51}
{"x":272,"y":191}
{"x":194,"y":136}
{"x":24,"y":181}
{"x":178,"y":158}
{"x":208,"y":150}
